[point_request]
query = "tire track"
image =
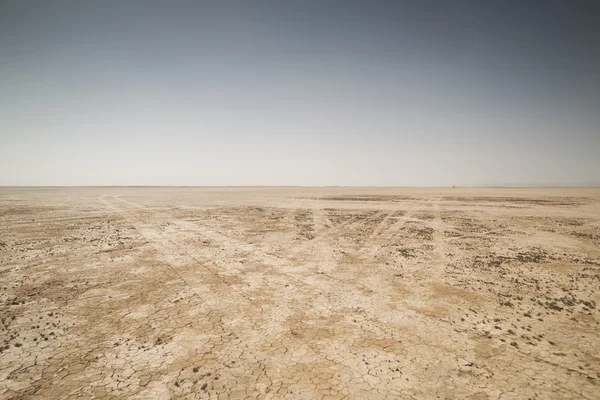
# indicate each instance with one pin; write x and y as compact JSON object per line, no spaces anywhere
{"x":256,"y":255}
{"x":157,"y":240}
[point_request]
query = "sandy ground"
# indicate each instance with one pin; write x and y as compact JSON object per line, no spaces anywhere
{"x":304,"y":293}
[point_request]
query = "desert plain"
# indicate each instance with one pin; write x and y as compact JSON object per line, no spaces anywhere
{"x":300,"y":293}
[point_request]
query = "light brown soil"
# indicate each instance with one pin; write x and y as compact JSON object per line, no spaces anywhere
{"x":305,"y":293}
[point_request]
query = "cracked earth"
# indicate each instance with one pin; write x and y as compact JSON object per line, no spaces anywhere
{"x":303,"y":293}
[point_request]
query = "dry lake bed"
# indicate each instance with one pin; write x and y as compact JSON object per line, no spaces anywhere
{"x":302,"y":293}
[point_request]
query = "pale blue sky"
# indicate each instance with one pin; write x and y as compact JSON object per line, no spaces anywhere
{"x":301,"y":93}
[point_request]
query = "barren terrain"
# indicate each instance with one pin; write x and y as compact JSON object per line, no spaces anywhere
{"x":304,"y":293}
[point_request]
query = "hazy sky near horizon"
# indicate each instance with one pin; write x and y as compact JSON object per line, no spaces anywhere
{"x":421,"y":93}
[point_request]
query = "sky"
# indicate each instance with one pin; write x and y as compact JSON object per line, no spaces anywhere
{"x":346,"y":93}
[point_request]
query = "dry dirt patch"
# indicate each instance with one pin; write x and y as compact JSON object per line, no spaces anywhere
{"x":299,"y":293}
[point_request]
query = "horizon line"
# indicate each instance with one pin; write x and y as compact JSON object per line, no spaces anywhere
{"x":523,"y":186}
